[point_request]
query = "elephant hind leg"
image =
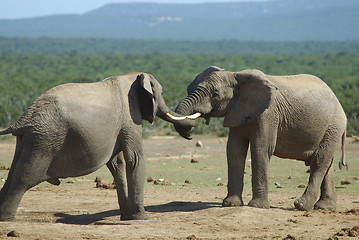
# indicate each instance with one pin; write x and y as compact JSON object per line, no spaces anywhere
{"x":320,"y":178}
{"x":328,"y":197}
{"x":18,"y":151}
{"x":117,"y":167}
{"x":25,"y":173}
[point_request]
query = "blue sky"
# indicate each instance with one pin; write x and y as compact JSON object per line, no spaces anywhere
{"x":15,"y":9}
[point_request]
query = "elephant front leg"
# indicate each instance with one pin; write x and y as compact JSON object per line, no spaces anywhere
{"x":260,"y":154}
{"x":237,"y":148}
{"x":135,"y":171}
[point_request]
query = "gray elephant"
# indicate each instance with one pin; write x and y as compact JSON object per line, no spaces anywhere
{"x":74,"y":129}
{"x":296,"y":117}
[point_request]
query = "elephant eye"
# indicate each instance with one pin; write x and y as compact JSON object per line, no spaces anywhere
{"x":215,"y":95}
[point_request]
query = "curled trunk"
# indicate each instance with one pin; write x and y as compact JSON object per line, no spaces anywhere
{"x":185,"y":108}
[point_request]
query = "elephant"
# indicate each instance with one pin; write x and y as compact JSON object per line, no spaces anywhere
{"x":74,"y":129}
{"x":295,"y":117}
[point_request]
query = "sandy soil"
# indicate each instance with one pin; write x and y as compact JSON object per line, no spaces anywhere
{"x":82,"y":211}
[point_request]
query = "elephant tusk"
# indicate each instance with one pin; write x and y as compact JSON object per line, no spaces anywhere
{"x":170,"y":116}
{"x":192,"y":117}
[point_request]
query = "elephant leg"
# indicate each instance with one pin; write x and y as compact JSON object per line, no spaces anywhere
{"x":135,"y":173}
{"x":26,"y":173}
{"x":328,"y":197}
{"x":260,"y":165}
{"x":237,"y":149}
{"x":320,"y":176}
{"x":262,"y":148}
{"x":17,"y":155}
{"x":117,"y":167}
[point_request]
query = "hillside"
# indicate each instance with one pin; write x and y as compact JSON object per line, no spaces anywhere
{"x":278,"y":20}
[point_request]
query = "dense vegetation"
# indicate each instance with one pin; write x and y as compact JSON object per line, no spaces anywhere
{"x":23,"y":77}
{"x":172,"y":47}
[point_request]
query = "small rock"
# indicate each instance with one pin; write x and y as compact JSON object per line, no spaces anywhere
{"x":220,"y":184}
{"x":71,"y":181}
{"x":289,"y":237}
{"x":199,"y":144}
{"x":353,"y":233}
{"x":13,"y":233}
{"x":188,"y":181}
{"x":162,"y":182}
{"x":354,"y":211}
{"x":345,"y":182}
{"x":218,"y":179}
{"x":2,"y":167}
{"x":191,"y":237}
{"x":98,"y":179}
{"x":105,"y":185}
{"x":301,"y":186}
{"x":150,"y":179}
{"x":277,"y":185}
{"x":194,"y":160}
{"x":292,"y":220}
{"x":290,"y":177}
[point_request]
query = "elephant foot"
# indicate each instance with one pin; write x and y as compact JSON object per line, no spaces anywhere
{"x":135,"y":216}
{"x":304,"y":204}
{"x":326,"y":203}
{"x":232,"y":201}
{"x":259,"y":203}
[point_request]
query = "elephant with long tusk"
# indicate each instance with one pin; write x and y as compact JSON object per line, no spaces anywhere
{"x":296,"y":117}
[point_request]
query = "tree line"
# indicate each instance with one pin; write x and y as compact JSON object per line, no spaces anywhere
{"x":172,"y":47}
{"x":24,"y":77}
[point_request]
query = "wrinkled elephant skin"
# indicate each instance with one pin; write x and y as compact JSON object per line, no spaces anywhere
{"x":74,"y":129}
{"x":296,"y":117}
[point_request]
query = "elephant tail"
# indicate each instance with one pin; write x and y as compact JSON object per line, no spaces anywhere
{"x":342,"y":160}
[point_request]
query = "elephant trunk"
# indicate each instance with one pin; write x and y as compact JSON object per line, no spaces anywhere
{"x":185,"y":108}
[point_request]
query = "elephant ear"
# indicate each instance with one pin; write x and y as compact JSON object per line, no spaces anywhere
{"x":145,"y":95}
{"x":200,"y":77}
{"x":253,"y":95}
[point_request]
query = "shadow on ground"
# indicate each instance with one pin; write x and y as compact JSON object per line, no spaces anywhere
{"x":179,"y":206}
{"x":87,"y":219}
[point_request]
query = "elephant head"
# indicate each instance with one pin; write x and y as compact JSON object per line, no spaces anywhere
{"x":239,"y":97}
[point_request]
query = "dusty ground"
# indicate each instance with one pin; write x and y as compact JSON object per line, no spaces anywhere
{"x":78,"y":210}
